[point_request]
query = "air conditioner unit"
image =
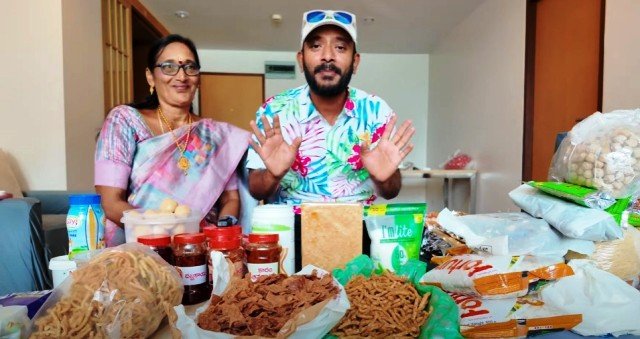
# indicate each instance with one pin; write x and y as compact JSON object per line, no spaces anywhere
{"x":280,"y":70}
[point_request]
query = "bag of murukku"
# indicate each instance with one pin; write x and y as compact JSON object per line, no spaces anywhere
{"x":121,"y":292}
{"x":374,"y":293}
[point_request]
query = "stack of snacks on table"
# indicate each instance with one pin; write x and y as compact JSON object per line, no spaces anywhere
{"x":123,"y":291}
{"x":169,"y":218}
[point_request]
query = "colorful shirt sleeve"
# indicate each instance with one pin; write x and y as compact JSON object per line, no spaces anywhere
{"x":115,"y":149}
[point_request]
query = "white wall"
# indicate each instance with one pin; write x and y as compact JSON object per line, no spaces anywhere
{"x":401,"y":80}
{"x":476,"y":99}
{"x":83,"y":88}
{"x":32,"y":121}
{"x":621,"y":84}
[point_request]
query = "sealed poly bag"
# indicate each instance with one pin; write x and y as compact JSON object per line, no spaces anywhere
{"x":14,"y":322}
{"x":607,"y":304}
{"x":396,"y":233}
{"x":443,"y":318}
{"x":585,"y":196}
{"x":603,"y":152}
{"x":121,"y":292}
{"x":312,"y":322}
{"x":572,"y":220}
{"x":495,"y":277}
{"x":511,"y":234}
{"x":511,"y":317}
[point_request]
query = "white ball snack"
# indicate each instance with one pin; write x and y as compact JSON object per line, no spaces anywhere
{"x":168,"y":205}
{"x":609,"y":162}
{"x":182,"y":211}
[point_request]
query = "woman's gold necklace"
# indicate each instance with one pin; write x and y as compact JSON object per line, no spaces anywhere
{"x":183,"y":162}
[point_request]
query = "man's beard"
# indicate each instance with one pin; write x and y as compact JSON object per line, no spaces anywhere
{"x":331,"y":90}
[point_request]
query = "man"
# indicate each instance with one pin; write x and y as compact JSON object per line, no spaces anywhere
{"x":326,"y":141}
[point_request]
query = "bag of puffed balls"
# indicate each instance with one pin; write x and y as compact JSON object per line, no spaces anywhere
{"x":603,"y":152}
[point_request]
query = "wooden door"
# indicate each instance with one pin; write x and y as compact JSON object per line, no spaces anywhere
{"x":232,"y":98}
{"x":563,"y":80}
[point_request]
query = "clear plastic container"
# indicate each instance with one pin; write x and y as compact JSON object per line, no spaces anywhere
{"x":228,"y":241}
{"x":139,"y":222}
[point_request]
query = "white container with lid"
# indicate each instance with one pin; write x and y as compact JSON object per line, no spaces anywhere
{"x":60,"y":268}
{"x":139,"y":222}
{"x":277,"y":219}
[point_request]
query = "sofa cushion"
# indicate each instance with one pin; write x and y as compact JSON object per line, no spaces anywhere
{"x":55,"y":233}
{"x":8,"y":181}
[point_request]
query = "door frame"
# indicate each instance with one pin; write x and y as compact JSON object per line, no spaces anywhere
{"x":529,"y":81}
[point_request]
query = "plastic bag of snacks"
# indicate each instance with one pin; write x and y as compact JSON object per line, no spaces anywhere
{"x":396,"y":232}
{"x":570,"y":219}
{"x":305,"y":305}
{"x":412,"y":302}
{"x":495,"y":277}
{"x":459,"y":161}
{"x":122,"y":292}
{"x":603,"y":152}
{"x":14,"y":322}
{"x":511,"y":234}
{"x":585,"y":196}
{"x":619,"y":257}
{"x":511,"y":317}
{"x":607,"y":304}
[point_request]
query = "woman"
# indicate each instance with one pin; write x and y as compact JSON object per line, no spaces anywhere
{"x":159,"y":149}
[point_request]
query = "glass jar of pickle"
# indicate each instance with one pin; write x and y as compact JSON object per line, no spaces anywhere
{"x":159,"y":243}
{"x":263,"y":255}
{"x":190,"y":255}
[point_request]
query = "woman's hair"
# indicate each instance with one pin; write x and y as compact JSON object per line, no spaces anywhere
{"x":151,"y":101}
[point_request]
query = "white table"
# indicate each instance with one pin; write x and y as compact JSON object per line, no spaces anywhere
{"x":449,"y":176}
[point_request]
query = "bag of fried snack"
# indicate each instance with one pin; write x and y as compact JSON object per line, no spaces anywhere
{"x":511,"y":317}
{"x":121,"y":292}
{"x":619,"y":257}
{"x":305,"y":305}
{"x":495,"y":277}
{"x":417,"y":310}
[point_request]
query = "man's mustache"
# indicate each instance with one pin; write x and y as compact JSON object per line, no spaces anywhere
{"x":327,"y":67}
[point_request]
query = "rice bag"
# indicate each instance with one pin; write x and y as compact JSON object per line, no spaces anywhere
{"x":396,"y":233}
{"x":603,"y":152}
{"x":608,"y":304}
{"x":511,"y":317}
{"x":511,"y":234}
{"x":572,"y":220}
{"x":495,"y":277}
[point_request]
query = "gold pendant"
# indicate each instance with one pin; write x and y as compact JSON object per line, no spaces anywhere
{"x":183,"y":164}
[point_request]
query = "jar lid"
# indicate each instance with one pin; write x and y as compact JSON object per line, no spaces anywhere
{"x":189,"y":238}
{"x":155,"y":240}
{"x":84,"y":199}
{"x":263,"y":238}
{"x":224,"y":243}
{"x":227,"y":231}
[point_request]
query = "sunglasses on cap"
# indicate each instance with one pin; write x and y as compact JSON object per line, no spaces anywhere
{"x":319,"y":15}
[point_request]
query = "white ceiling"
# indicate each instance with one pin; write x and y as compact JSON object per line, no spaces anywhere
{"x":399,"y":26}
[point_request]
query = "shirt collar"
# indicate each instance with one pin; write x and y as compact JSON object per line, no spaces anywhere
{"x":308,"y":111}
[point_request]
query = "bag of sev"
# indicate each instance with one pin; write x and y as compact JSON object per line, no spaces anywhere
{"x":397,"y":300}
{"x":495,"y":277}
{"x":511,"y":317}
{"x":122,"y":292}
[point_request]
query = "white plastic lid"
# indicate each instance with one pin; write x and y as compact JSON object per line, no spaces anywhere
{"x":62,"y":263}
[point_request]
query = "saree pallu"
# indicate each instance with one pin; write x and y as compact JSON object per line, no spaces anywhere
{"x":214,"y":150}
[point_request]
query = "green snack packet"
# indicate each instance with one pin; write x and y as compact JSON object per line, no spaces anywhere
{"x":443,"y":322}
{"x":396,"y":233}
{"x":585,"y":196}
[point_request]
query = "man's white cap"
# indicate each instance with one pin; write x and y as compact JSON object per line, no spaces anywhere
{"x":322,"y":17}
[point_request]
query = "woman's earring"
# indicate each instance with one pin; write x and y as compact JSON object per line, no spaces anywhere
{"x":150,"y":90}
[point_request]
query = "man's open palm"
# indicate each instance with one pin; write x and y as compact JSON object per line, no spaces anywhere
{"x":274,"y":151}
{"x":382,"y":161}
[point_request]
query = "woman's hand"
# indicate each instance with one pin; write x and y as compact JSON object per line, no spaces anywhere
{"x":274,"y":151}
{"x":114,"y":202}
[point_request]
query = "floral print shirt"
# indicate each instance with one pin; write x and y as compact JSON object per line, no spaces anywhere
{"x":328,"y":167}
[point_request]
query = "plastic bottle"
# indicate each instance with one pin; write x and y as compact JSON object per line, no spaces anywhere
{"x":85,"y":223}
{"x":263,"y":255}
{"x":190,"y":255}
{"x":277,"y":219}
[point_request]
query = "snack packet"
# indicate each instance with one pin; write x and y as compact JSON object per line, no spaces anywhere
{"x":511,"y":317}
{"x":585,"y":196}
{"x":495,"y":277}
{"x":396,"y":233}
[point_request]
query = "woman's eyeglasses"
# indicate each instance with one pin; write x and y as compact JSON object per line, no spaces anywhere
{"x":170,"y":68}
{"x":317,"y":16}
